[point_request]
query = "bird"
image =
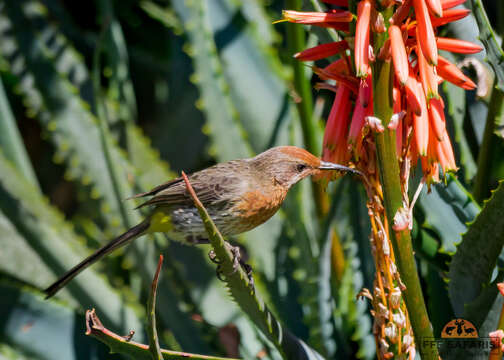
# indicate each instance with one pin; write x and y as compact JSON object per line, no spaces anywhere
{"x":239,"y":195}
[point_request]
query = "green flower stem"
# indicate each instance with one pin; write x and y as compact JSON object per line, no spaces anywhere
{"x":154,"y":348}
{"x":485,"y":155}
{"x":133,"y":350}
{"x":401,"y":241}
{"x":302,"y":86}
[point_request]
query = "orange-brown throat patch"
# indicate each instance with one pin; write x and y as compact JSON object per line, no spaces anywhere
{"x":256,"y":207}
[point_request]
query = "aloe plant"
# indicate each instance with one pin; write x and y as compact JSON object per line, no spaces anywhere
{"x":99,"y":103}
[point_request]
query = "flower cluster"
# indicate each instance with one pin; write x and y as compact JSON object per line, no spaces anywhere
{"x":411,"y":43}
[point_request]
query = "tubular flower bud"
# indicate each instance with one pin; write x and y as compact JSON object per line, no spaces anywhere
{"x":300,"y":17}
{"x":401,"y":13}
{"x":427,"y":76}
{"x":437,"y":118}
{"x":334,"y":144}
{"x":413,"y":95}
{"x":450,"y":16}
{"x":322,"y":51}
{"x":448,"y":4}
{"x":362,"y":38}
{"x":427,"y":39}
{"x":435,"y":7}
{"x":453,"y":74}
{"x":421,"y":123}
{"x":399,"y":56}
{"x":458,"y":46}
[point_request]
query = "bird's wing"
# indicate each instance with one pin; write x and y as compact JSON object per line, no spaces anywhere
{"x":157,"y":189}
{"x":210,"y":186}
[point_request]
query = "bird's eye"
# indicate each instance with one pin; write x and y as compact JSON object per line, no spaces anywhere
{"x":301,"y":167}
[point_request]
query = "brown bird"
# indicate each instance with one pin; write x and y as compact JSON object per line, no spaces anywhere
{"x":238,"y":195}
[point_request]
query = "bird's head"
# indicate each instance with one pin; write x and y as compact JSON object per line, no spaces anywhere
{"x":289,"y":164}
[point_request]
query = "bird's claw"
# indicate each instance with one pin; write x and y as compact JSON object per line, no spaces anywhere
{"x":213,"y":257}
{"x":237,"y":262}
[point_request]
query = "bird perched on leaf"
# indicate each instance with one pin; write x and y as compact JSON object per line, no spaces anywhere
{"x":238,"y":195}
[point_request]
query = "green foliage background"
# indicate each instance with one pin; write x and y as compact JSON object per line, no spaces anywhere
{"x":100,"y":100}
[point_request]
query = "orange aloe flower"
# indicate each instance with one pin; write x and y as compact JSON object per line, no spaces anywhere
{"x":362,"y":38}
{"x":457,"y":46}
{"x":335,"y":136}
{"x":322,"y":51}
{"x":451,"y":73}
{"x":435,"y":7}
{"x":448,"y":4}
{"x":450,"y":16}
{"x":437,"y":118}
{"x":401,"y":13}
{"x":412,"y":95}
{"x":316,"y":17}
{"x":363,"y":108}
{"x":399,"y":56}
{"x":427,"y":75}
{"x":421,"y":123}
{"x":427,"y":40}
{"x":412,"y":45}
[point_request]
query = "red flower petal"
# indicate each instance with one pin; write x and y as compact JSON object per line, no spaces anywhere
{"x":421,"y":124}
{"x":399,"y":56}
{"x":435,"y":7}
{"x":458,"y":46}
{"x":427,"y":76}
{"x":362,"y":38}
{"x":427,"y":39}
{"x":322,"y":51}
{"x":316,"y":17}
{"x":448,"y":4}
{"x":450,"y":16}
{"x":437,"y":118}
{"x":413,"y":95}
{"x":451,"y":73}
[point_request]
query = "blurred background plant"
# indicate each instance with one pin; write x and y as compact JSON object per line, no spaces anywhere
{"x":104,"y":99}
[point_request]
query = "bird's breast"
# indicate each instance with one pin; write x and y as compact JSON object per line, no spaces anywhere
{"x":256,"y":207}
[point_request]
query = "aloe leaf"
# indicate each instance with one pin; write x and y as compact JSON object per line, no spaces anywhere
{"x":473,"y":263}
{"x":253,"y":71}
{"x":44,"y":329}
{"x":10,"y":139}
{"x":44,"y":229}
{"x":17,"y":253}
{"x":120,"y":90}
{"x":495,"y":54}
{"x":223,"y":126}
{"x":447,"y":209}
{"x":82,"y":144}
{"x":246,"y":296}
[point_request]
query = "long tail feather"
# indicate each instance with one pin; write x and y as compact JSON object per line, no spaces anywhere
{"x":119,"y":241}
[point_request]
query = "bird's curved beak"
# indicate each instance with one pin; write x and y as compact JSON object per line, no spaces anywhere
{"x":324,"y":165}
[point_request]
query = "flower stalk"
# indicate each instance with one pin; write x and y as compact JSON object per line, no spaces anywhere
{"x":393,"y":200}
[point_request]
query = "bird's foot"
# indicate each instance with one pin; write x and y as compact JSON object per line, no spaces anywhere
{"x":213,"y":257}
{"x":237,"y":263}
{"x":248,"y":270}
{"x":235,"y":250}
